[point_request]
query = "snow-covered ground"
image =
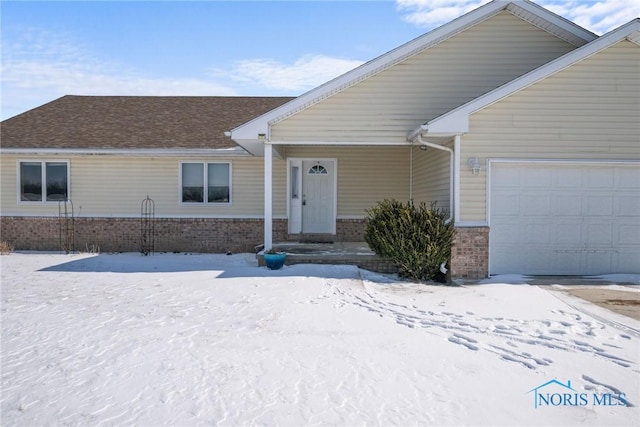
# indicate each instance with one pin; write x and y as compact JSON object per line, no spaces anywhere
{"x":176,"y":339}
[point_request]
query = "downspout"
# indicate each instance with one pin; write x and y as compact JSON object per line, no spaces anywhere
{"x":456,"y":178}
{"x":411,"y":173}
{"x":451,"y":171}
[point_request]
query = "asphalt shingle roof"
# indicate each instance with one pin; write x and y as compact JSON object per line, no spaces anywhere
{"x":129,"y":122}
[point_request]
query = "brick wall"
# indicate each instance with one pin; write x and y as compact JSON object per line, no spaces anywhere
{"x":123,"y":234}
{"x":171,"y":234}
{"x":469,"y":258}
{"x":470,"y":253}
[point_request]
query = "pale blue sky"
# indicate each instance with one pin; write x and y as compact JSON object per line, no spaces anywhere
{"x":53,"y":48}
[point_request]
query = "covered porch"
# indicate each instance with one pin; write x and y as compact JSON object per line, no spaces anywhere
{"x":316,"y":188}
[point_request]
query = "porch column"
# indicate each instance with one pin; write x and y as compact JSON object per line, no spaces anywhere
{"x":268,"y":196}
{"x":456,"y":179}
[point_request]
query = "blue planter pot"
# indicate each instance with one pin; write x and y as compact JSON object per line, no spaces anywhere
{"x":275,"y":261}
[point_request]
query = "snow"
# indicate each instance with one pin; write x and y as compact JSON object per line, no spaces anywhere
{"x":177,"y":339}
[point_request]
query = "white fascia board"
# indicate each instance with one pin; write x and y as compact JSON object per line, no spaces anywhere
{"x":634,"y":37}
{"x":261,"y":124}
{"x":571,"y":161}
{"x":557,"y":25}
{"x":141,"y":152}
{"x":256,"y":147}
{"x":443,"y":131}
{"x":457,"y":121}
{"x":342,"y":143}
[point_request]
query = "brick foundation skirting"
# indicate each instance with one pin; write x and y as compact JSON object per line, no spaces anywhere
{"x":470,"y":253}
{"x":214,"y":235}
{"x":469,"y":257}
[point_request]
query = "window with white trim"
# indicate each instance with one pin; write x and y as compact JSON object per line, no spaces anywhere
{"x":205,"y":182}
{"x":43,"y":181}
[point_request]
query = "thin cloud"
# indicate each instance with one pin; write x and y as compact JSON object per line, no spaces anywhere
{"x":599,"y":17}
{"x":303,"y":74}
{"x":433,"y":13}
{"x":38,"y":66}
{"x":596,"y":16}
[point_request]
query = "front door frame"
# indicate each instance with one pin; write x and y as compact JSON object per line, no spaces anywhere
{"x":294,"y":209}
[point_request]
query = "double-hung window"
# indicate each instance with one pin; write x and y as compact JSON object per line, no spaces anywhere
{"x":206,"y":182}
{"x":43,"y":181}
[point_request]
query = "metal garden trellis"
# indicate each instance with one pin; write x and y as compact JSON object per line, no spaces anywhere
{"x":147,"y":226}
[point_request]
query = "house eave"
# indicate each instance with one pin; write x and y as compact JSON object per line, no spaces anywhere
{"x":135,"y":152}
{"x":439,"y":132}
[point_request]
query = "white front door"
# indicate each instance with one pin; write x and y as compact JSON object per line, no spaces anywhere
{"x":318,"y":196}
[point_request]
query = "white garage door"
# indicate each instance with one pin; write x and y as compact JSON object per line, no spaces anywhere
{"x":564,"y":219}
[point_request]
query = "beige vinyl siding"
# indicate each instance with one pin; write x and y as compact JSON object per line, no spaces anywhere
{"x":115,"y":186}
{"x":587,"y":111}
{"x":431,"y":175}
{"x":385,"y":107}
{"x":366,"y":175}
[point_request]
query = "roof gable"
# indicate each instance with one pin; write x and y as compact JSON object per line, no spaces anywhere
{"x":385,"y":107}
{"x":457,"y":120}
{"x":524,"y":9}
{"x":133,"y":122}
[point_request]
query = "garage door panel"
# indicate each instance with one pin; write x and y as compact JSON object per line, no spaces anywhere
{"x":515,"y":258}
{"x":598,"y":234}
{"x":627,"y":205}
{"x":508,"y":232}
{"x":567,"y":234}
{"x":628,"y":179}
{"x":536,"y":205}
{"x":536,"y":178}
{"x":505,"y":179}
{"x":627,"y":261}
{"x":598,"y":205}
{"x":627,"y":232}
{"x":600,"y":178}
{"x":596,"y":262}
{"x":508,"y":203}
{"x":563,"y":263}
{"x":536,"y":234}
{"x":571,"y":178}
{"x":568,"y":204}
{"x":565,"y":219}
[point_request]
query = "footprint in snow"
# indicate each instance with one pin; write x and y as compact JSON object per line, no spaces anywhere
{"x":465,"y":341}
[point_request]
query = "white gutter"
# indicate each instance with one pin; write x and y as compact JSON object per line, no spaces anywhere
{"x":168,"y":152}
{"x":451,"y":169}
{"x":339,"y":143}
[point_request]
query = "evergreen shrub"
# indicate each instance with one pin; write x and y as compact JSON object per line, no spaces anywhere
{"x":416,"y":238}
